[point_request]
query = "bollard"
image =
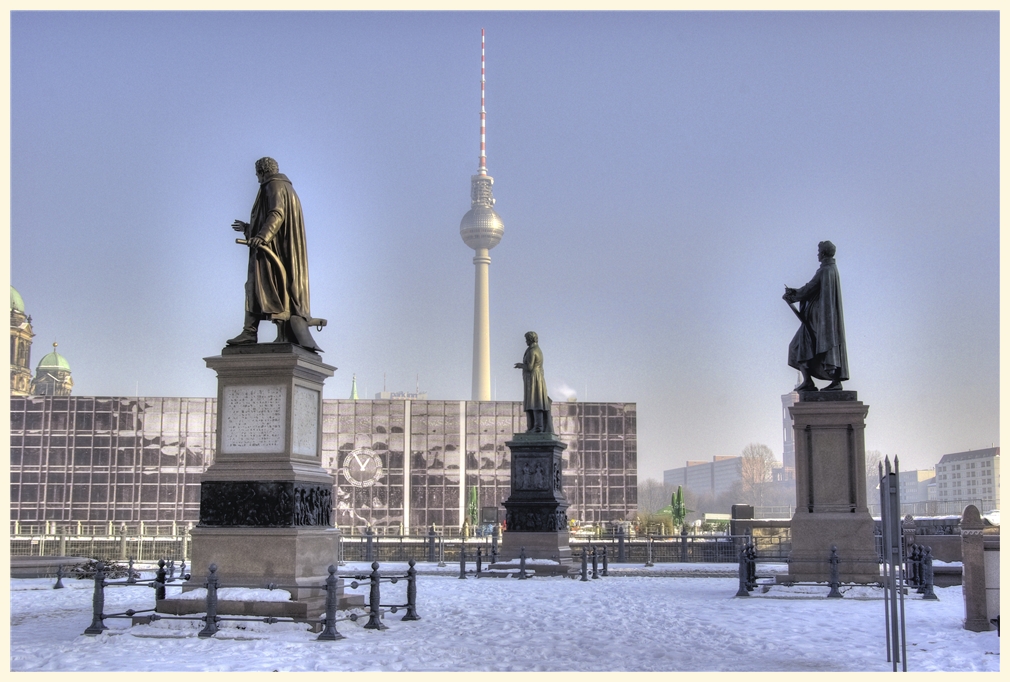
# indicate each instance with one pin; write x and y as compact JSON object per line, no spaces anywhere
{"x":131,"y":578}
{"x":648,"y":552}
{"x":98,"y":602}
{"x":522,"y":563}
{"x":431,"y":544}
{"x":369,"y":552}
{"x":159,"y":592}
{"x":835,"y":581}
{"x":211,"y":618}
{"x":462,"y":562}
{"x":683,"y":544}
{"x":751,"y":566}
{"x":743,"y":572}
{"x":494,"y":546}
{"x":585,"y":573}
{"x":373,"y":600}
{"x":411,"y":593}
{"x":606,"y":570}
{"x":927,"y":575}
{"x":478,"y":562}
{"x":596,"y":572}
{"x":171,"y":570}
{"x":59,"y":577}
{"x":329,"y":633}
{"x":620,"y":544}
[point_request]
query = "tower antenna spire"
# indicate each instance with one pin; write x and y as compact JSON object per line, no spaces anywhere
{"x":482,"y":168}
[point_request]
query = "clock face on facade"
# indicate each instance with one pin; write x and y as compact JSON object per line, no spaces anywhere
{"x":362,"y":467}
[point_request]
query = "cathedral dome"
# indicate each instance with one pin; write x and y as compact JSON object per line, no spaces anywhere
{"x":52,"y":362}
{"x":16,"y":302}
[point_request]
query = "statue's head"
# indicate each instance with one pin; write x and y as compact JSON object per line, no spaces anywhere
{"x":825,"y":249}
{"x":265,"y":167}
{"x":531,"y":338}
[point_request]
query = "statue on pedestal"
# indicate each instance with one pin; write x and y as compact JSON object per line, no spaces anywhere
{"x":277,"y":287}
{"x":536,"y":403}
{"x":818,"y":348}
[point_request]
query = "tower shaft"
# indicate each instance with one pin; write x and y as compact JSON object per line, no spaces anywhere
{"x":481,"y":328}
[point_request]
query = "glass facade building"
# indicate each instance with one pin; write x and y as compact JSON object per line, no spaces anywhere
{"x":398,"y":464}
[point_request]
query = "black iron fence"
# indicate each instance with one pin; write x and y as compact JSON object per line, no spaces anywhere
{"x":326,"y":625}
{"x":127,"y":543}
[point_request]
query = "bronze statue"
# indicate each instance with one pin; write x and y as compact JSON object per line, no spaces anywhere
{"x":536,"y":403}
{"x":277,"y":287}
{"x":818,"y":349}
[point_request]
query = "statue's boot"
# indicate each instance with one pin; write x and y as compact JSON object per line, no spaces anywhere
{"x":248,"y":335}
{"x":833,"y":386}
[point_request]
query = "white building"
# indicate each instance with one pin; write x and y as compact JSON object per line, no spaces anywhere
{"x":970,"y":477}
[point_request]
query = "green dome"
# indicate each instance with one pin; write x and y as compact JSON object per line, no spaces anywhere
{"x":16,"y":302}
{"x":53,"y":361}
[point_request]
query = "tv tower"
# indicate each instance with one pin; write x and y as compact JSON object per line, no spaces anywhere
{"x":481,"y":229}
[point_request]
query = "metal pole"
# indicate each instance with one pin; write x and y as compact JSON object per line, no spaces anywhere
{"x":211,"y":618}
{"x":59,"y":578}
{"x":411,"y":593}
{"x":596,"y":572}
{"x":522,"y":563}
{"x":98,"y":602}
{"x":743,"y":573}
{"x":462,"y":561}
{"x":585,"y":571}
{"x":835,"y":581}
{"x":329,"y":633}
{"x":373,"y":600}
{"x":648,"y":552}
{"x":606,"y":571}
{"x":927,"y":575}
{"x":159,"y":591}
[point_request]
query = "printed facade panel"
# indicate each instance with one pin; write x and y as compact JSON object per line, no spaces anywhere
{"x":397,"y":464}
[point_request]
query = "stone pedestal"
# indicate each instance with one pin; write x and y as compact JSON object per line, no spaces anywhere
{"x":535,"y":512}
{"x":831,"y":509}
{"x":973,"y":573}
{"x":266,"y":502}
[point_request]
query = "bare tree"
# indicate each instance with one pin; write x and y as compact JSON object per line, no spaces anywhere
{"x":653,"y":495}
{"x":755,"y":472}
{"x":873,"y":462}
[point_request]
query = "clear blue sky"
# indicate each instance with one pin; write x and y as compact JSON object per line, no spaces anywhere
{"x":661,"y":176}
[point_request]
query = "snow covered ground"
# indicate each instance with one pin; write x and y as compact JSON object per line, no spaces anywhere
{"x":642,"y":620}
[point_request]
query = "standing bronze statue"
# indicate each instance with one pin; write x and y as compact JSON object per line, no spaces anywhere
{"x":818,"y":349}
{"x":277,"y":287}
{"x":536,"y":403}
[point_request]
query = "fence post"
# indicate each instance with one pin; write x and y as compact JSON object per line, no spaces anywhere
{"x":683,"y":544}
{"x":478,"y":561}
{"x":98,"y":602}
{"x":329,"y":633}
{"x":369,"y":533}
{"x":211,"y":617}
{"x":130,"y":577}
{"x":596,"y":572}
{"x":462,"y":561}
{"x":743,"y":572}
{"x":494,"y":543}
{"x":585,"y":571}
{"x":927,"y":575}
{"x":59,"y":577}
{"x":431,"y":544}
{"x":606,"y":570}
{"x":159,"y":591}
{"x":373,"y":600}
{"x":411,"y":593}
{"x":522,"y":563}
{"x":648,"y":552}
{"x":63,"y":544}
{"x":620,"y":544}
{"x":835,"y":581}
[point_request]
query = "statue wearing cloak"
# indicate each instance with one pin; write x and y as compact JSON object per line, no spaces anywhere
{"x":277,"y":284}
{"x":818,"y":348}
{"x":536,"y":403}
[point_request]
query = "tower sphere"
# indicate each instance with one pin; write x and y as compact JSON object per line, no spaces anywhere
{"x":481,"y":228}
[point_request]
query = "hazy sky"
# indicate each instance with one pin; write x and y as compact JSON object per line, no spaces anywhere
{"x":661,"y":176}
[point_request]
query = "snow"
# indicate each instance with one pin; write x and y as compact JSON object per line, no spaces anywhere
{"x":664,"y":618}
